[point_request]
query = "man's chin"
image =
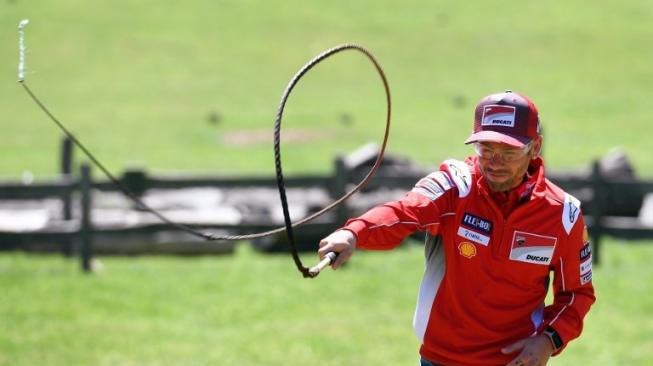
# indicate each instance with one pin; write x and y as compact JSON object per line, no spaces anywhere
{"x":500,"y":185}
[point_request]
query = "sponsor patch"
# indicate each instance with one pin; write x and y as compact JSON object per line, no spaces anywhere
{"x":585,"y":251}
{"x":477,"y":223}
{"x":570,"y":212}
{"x":532,"y":248}
{"x":586,"y":278}
{"x":460,"y":175}
{"x":467,"y":249}
{"x":586,"y":266}
{"x":473,"y":236}
{"x":498,"y":115}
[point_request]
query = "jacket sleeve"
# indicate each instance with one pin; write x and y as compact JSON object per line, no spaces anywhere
{"x":573,"y":293}
{"x":385,"y":226}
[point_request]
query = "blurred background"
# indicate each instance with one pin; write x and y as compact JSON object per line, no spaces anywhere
{"x":191,"y":88}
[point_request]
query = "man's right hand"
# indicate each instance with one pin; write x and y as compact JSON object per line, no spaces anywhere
{"x":342,"y":242}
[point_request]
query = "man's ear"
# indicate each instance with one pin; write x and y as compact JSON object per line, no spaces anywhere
{"x":537,"y":147}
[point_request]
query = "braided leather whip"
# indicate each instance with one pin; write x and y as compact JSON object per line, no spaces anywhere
{"x":277,"y":154}
{"x":277,"y":149}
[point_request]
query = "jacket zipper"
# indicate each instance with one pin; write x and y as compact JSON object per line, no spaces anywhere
{"x":497,"y":249}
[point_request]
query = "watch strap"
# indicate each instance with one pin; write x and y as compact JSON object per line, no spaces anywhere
{"x":554,"y":337}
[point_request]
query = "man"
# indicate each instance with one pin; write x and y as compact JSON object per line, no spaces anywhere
{"x":496,"y":229}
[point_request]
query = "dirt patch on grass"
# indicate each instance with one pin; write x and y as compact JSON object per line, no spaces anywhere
{"x":266,"y":136}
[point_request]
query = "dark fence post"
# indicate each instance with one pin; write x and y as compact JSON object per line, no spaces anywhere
{"x":86,"y":229}
{"x":135,"y":180}
{"x":598,"y":209}
{"x":66,"y":174}
{"x":340,"y":179}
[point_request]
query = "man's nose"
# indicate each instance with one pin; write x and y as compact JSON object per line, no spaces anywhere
{"x":496,"y":157}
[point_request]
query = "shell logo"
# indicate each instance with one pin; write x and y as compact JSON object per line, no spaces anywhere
{"x":586,"y":235}
{"x":467,"y":249}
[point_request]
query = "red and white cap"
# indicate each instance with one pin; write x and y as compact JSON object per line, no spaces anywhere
{"x":509,"y":118}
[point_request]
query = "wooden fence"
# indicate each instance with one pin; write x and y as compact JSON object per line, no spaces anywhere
{"x":600,"y":194}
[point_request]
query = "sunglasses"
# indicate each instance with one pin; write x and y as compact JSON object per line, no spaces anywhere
{"x":507,"y":155}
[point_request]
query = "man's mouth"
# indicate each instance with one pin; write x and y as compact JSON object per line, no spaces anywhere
{"x":497,"y":174}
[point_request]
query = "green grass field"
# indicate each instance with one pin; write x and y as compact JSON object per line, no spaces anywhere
{"x":172,"y":86}
{"x":253,"y":309}
{"x":137,"y":80}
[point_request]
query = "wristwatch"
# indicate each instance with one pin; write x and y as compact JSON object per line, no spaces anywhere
{"x":554,"y":337}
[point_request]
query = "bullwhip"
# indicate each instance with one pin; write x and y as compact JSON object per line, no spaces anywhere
{"x":289,"y":225}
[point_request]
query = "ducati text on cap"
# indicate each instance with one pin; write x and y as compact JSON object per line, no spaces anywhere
{"x":498,"y":115}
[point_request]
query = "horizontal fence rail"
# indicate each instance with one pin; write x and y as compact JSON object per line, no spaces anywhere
{"x":597,"y":193}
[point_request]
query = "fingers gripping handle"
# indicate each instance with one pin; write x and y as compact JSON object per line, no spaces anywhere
{"x":328,"y":259}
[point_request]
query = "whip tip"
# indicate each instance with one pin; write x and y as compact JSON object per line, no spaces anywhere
{"x":21,"y":48}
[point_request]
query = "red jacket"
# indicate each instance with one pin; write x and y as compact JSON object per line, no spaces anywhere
{"x":488,"y":261}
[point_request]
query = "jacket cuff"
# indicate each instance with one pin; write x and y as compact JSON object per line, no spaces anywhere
{"x":356,"y":227}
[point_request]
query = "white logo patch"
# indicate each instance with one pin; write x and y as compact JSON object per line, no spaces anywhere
{"x":473,"y":236}
{"x":586,"y":266}
{"x":532,"y":248}
{"x":586,"y":278}
{"x":460,"y":175}
{"x":570,"y":212}
{"x":498,"y":115}
{"x":535,"y":255}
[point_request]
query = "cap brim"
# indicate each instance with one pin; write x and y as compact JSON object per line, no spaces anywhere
{"x":493,"y":136}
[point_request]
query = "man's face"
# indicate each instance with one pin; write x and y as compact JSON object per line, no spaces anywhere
{"x":504,"y":166}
